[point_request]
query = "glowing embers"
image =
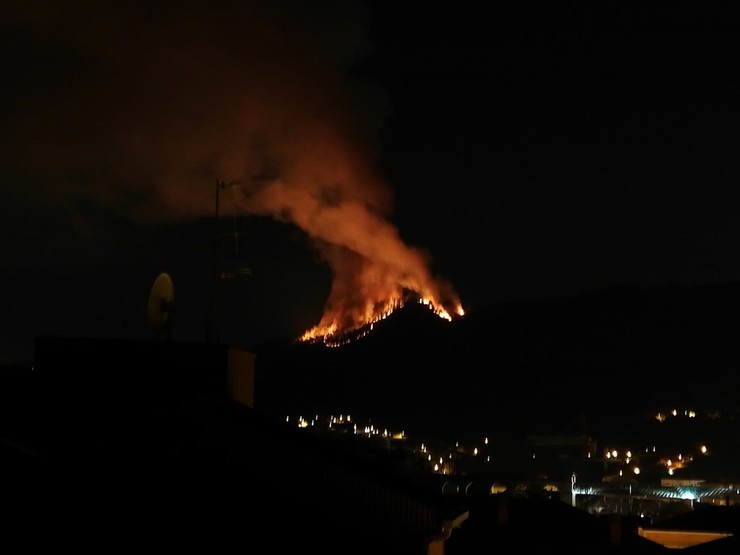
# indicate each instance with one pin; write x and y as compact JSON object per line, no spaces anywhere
{"x":336,"y":335}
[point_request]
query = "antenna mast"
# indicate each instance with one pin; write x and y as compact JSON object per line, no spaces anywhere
{"x":211,"y":321}
{"x":217,"y":273}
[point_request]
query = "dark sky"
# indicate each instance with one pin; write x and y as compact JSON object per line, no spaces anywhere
{"x":508,"y":150}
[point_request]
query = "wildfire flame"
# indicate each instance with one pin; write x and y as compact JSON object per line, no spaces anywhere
{"x":333,"y":333}
{"x":374,"y":272}
{"x":295,"y":137}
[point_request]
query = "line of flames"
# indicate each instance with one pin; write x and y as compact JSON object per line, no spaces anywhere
{"x":331,"y":337}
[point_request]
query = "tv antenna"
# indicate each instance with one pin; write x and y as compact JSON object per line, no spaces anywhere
{"x":235,"y":270}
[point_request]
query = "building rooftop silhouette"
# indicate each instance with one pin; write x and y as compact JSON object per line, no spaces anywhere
{"x":120,"y":443}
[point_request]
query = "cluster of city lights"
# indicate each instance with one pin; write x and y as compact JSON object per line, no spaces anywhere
{"x":661,"y":416}
{"x":670,"y":463}
{"x":446,"y":459}
{"x":441,"y":461}
{"x":347,"y":424}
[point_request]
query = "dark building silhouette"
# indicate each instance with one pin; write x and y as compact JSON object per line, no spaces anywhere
{"x":130,"y":444}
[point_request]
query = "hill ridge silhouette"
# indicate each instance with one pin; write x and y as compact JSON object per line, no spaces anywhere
{"x":635,"y":345}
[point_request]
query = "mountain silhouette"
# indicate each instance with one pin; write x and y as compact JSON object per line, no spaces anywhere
{"x":596,"y":353}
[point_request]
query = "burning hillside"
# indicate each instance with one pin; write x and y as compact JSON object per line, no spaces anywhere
{"x":374,"y":272}
{"x":295,"y":136}
{"x":372,"y":281}
{"x":333,"y":333}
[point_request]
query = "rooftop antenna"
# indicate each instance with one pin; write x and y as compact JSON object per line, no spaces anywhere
{"x":219,"y":273}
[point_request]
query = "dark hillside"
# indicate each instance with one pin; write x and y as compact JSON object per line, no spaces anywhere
{"x":617,"y":348}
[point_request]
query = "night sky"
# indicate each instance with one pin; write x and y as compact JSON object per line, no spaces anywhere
{"x":503,"y":151}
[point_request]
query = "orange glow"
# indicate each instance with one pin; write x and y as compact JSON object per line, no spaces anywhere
{"x":282,"y":131}
{"x":338,"y":328}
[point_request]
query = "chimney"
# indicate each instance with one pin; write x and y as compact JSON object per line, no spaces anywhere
{"x":240,"y":376}
{"x":503,"y":512}
{"x":615,"y":530}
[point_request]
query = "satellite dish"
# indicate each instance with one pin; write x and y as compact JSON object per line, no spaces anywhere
{"x":161,"y":300}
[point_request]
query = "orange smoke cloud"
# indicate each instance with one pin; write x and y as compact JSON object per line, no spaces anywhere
{"x":374,"y":270}
{"x":143,"y":106}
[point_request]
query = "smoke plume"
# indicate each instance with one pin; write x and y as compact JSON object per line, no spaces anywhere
{"x":144,"y":105}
